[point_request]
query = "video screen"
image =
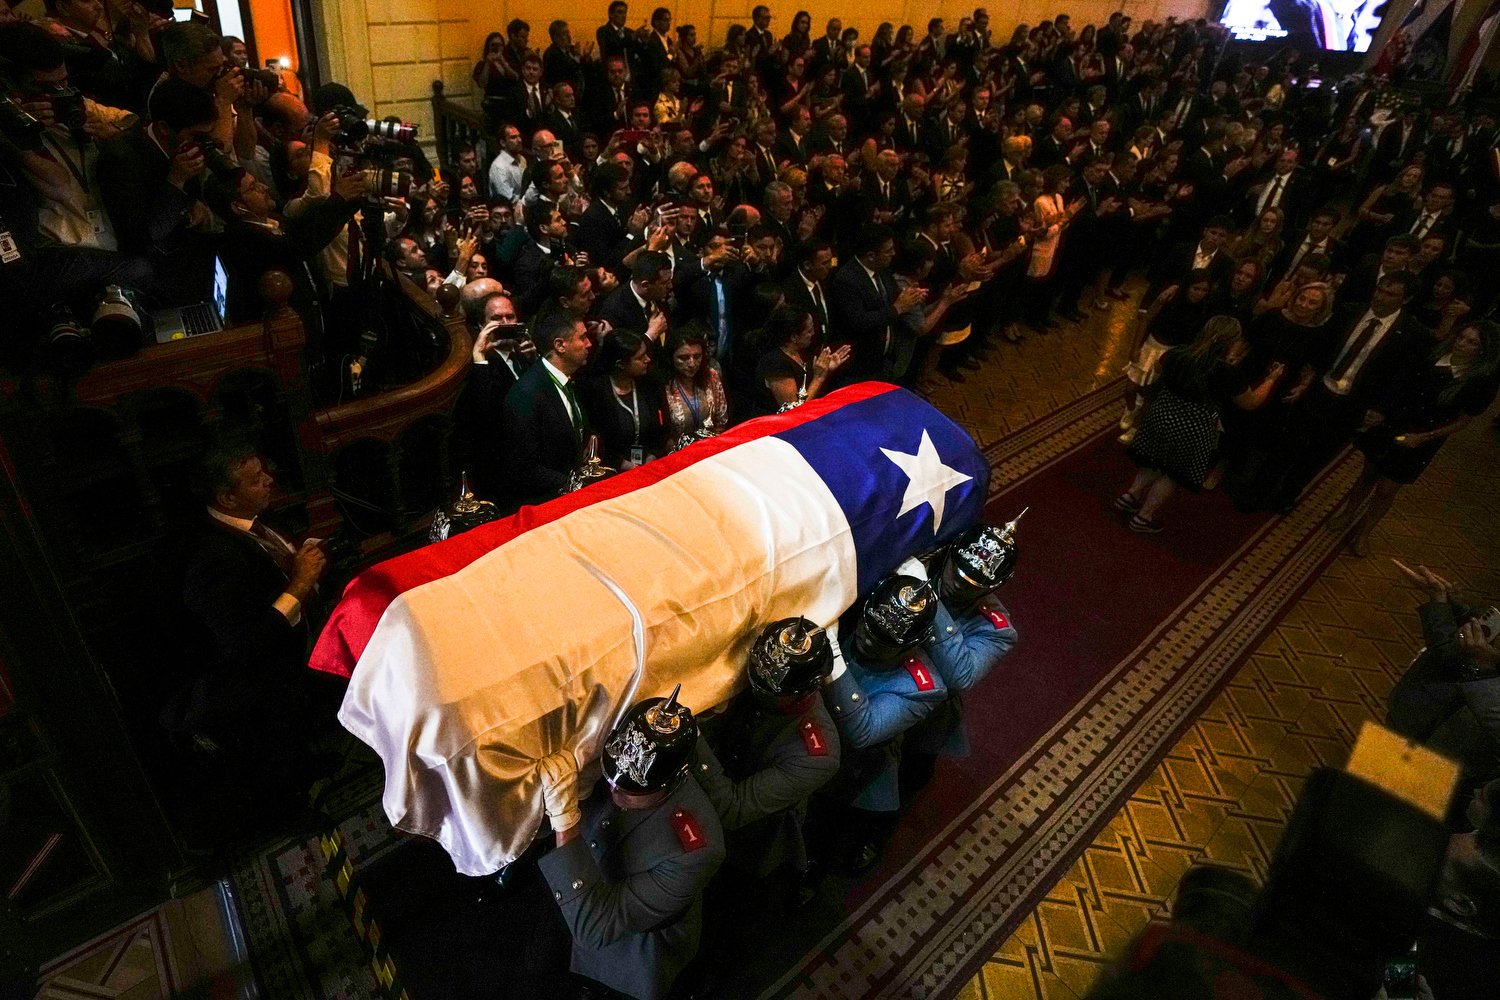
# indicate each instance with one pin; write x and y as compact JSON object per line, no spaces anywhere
{"x":1329,"y":25}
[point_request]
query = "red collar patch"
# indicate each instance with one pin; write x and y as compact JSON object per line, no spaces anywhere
{"x":689,"y":833}
{"x":921,"y":673}
{"x":996,"y":618}
{"x":814,"y":741}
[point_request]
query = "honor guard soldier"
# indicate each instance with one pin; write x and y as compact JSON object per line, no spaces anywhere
{"x":881,"y":687}
{"x":973,"y":633}
{"x":778,"y":746}
{"x":630,"y":867}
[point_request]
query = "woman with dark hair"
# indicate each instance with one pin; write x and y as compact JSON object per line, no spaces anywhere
{"x":799,"y":39}
{"x":1179,"y":434}
{"x":789,"y":373}
{"x":1237,"y":294}
{"x":882,"y":45}
{"x":1456,"y":385}
{"x":1051,"y":214}
{"x":491,"y":73}
{"x":623,"y":401}
{"x":696,"y":404}
{"x":1286,"y":339}
{"x":1173,"y":320}
{"x":1446,"y":305}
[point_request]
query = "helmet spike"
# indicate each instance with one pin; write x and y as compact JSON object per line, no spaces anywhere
{"x":671,"y":703}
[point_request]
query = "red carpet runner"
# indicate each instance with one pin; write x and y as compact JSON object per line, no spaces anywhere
{"x":1124,"y":639}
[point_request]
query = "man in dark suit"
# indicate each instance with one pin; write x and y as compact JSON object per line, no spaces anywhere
{"x":1398,"y":142}
{"x":251,"y":590}
{"x":714,"y":288}
{"x":866,"y":305}
{"x":543,"y":425}
{"x":501,"y":354}
{"x":910,"y":130}
{"x":255,"y":241}
{"x":547,"y":248}
{"x":1357,"y":375}
{"x":822,"y":50}
{"x":654,"y":53}
{"x":613,"y":37}
{"x":1397,"y":255}
{"x":638,"y":305}
{"x":793,"y":144}
{"x":883,"y":198}
{"x":807,"y":286}
{"x":602,"y":230}
{"x":1317,"y":238}
{"x":561,"y":63}
{"x":857,"y":87}
{"x":609,"y":105}
{"x":562,"y":119}
{"x":1283,"y":188}
{"x":150,"y":180}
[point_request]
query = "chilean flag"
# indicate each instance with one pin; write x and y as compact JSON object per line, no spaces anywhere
{"x":470,"y":660}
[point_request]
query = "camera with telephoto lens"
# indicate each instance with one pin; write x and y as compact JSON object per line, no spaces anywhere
{"x":386,"y":182}
{"x":67,"y":348}
{"x":354,"y":129}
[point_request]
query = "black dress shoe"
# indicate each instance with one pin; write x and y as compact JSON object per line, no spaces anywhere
{"x":952,"y":374}
{"x":1072,"y":315}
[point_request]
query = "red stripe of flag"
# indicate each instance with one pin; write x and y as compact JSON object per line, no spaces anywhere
{"x":369,"y":594}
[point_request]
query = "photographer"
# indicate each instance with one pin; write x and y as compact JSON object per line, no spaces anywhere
{"x":1449,"y":698}
{"x":255,"y":240}
{"x":59,"y":158}
{"x":193,"y":53}
{"x":111,"y":63}
{"x":151,"y":181}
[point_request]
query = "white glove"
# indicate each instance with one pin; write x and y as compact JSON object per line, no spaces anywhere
{"x":913,"y":567}
{"x":839,"y":666}
{"x":559,"y":772}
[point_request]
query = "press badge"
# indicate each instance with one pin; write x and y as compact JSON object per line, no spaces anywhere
{"x":637,"y":455}
{"x":9,"y":251}
{"x":96,"y":221}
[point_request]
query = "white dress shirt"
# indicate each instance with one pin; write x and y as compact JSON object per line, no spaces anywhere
{"x":289,"y":606}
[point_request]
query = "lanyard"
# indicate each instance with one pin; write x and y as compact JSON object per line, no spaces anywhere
{"x":634,"y":410}
{"x":691,"y":402}
{"x":79,"y":172}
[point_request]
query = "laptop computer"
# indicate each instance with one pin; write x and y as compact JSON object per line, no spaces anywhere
{"x":195,"y":320}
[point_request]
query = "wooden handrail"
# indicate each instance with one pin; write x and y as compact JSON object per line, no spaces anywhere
{"x":452,"y":120}
{"x":384,"y":416}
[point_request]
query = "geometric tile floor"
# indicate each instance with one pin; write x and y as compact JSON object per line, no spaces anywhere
{"x":1221,"y":795}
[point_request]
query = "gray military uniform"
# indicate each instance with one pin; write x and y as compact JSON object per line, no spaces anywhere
{"x":630,"y":888}
{"x":772,"y":762}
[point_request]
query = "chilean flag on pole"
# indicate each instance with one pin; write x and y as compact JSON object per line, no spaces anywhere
{"x":472,"y":659}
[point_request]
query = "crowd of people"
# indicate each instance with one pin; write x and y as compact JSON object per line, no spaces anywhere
{"x":654,"y":240}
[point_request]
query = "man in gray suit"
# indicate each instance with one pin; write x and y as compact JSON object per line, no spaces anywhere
{"x":631,"y":865}
{"x":1449,"y":698}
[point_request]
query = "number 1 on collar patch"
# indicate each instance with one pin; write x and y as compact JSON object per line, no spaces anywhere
{"x":689,"y":833}
{"x":813,"y":740}
{"x":996,"y":618}
{"x":921,"y":674}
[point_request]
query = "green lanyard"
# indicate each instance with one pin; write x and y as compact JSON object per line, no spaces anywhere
{"x":574,"y":413}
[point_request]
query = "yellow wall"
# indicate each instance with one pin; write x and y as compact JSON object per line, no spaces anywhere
{"x":390,"y":51}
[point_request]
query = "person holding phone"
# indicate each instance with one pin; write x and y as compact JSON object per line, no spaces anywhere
{"x":1449,"y":698}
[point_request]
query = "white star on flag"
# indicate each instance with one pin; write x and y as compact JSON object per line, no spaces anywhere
{"x":928,"y":479}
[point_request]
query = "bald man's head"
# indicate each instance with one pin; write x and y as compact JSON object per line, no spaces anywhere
{"x":473,"y":297}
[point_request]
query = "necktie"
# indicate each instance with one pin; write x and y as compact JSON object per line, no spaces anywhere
{"x":273,"y":545}
{"x":817,"y":297}
{"x":1273,"y":194}
{"x":1352,"y":352}
{"x":1424,"y":223}
{"x":1302,"y":251}
{"x":574,"y":413}
{"x":533,"y":103}
{"x":620,"y":109}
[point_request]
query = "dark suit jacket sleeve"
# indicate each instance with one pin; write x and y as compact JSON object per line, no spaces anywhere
{"x":522,"y":434}
{"x":224,"y":589}
{"x":859,"y":315}
{"x":147,"y":210}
